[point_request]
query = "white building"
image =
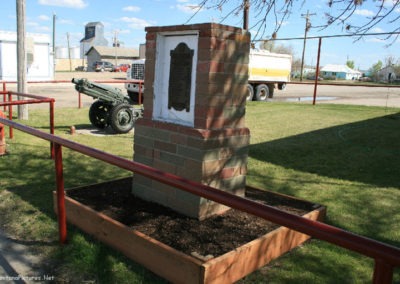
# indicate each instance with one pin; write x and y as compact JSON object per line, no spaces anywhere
{"x":388,"y":74}
{"x":340,"y":72}
{"x":38,"y":54}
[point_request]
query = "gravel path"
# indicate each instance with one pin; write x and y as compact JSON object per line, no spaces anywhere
{"x":18,"y":264}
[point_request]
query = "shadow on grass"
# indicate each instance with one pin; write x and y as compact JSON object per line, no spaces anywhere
{"x":35,"y":182}
{"x":366,"y":151}
{"x":29,"y":172}
{"x":312,"y":267}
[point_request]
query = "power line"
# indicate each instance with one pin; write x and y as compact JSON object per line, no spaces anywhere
{"x":331,"y":36}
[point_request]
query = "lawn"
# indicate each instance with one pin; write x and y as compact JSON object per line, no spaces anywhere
{"x":344,"y":157}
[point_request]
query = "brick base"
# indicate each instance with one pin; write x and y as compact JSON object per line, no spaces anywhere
{"x":217,"y":158}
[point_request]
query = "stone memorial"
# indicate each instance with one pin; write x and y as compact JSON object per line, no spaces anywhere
{"x":193,"y":124}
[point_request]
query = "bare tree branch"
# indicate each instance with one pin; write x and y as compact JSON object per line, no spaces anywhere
{"x":270,"y":14}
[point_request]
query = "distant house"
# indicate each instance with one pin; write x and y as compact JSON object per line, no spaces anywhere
{"x":340,"y":72}
{"x":388,"y":74}
{"x":115,"y":55}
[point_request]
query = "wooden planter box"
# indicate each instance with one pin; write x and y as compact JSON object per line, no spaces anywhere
{"x":179,"y":267}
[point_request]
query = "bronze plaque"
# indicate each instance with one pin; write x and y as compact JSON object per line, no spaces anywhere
{"x":180,"y":77}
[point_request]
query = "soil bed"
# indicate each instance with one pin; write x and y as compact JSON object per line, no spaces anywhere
{"x":214,"y":236}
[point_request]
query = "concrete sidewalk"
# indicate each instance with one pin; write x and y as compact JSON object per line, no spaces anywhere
{"x":18,"y":264}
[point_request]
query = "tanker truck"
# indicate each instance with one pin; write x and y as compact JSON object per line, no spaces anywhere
{"x":267,"y":71}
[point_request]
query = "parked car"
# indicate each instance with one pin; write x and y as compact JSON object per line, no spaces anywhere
{"x":80,"y":68}
{"x":312,"y":77}
{"x":365,"y":79}
{"x":101,"y":66}
{"x":121,"y":68}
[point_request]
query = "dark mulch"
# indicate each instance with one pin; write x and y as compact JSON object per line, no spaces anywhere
{"x":213,"y":236}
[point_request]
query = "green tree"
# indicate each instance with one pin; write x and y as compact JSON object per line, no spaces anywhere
{"x":271,"y":46}
{"x":350,"y":64}
{"x":375,"y":69}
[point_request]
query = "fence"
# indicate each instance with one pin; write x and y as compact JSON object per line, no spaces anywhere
{"x":33,"y":99}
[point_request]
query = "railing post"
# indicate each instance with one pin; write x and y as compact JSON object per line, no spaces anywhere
{"x":52,"y":128}
{"x":317,"y":71}
{"x":4,"y":96}
{"x":383,"y":272}
{"x":2,"y":136}
{"x":79,"y":100}
{"x":10,"y":129}
{"x":62,"y":217}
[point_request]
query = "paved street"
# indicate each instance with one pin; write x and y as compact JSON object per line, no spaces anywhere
{"x":66,"y":96}
{"x":354,"y":95}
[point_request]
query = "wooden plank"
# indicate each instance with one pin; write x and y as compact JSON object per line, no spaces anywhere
{"x":236,"y":264}
{"x":176,"y":266}
{"x":163,"y":260}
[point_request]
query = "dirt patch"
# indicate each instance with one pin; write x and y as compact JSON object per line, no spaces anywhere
{"x":214,"y":236}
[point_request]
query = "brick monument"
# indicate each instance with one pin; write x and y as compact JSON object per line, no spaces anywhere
{"x":193,"y":124}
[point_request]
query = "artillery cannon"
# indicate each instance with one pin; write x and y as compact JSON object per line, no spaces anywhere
{"x":111,"y":107}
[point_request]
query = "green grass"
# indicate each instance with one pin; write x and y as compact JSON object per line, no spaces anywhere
{"x":344,"y":157}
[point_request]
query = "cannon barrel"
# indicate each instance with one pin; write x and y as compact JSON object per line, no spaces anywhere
{"x":102,"y":92}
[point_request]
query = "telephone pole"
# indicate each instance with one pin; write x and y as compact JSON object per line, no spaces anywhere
{"x":246,"y":6}
{"x":21,"y":59}
{"x":116,"y":45}
{"x":69,"y":53}
{"x":54,"y":45}
{"x":308,"y":26}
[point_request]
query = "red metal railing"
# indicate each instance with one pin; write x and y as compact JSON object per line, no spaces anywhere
{"x":33,"y":99}
{"x":2,"y":136}
{"x":4,"y":92}
{"x":386,"y":256}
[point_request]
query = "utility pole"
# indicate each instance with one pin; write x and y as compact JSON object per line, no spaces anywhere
{"x":54,"y":45}
{"x":116,"y":45}
{"x":246,"y":6}
{"x":308,"y":26}
{"x":69,"y":53}
{"x":21,"y":59}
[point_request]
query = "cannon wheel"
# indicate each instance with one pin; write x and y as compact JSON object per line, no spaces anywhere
{"x":99,"y":113}
{"x":122,"y":118}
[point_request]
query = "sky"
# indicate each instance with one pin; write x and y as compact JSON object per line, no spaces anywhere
{"x":126,"y":21}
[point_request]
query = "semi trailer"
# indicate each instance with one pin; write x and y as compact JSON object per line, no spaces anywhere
{"x":267,"y":71}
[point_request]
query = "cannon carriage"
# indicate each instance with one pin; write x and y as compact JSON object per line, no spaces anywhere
{"x":111,"y":108}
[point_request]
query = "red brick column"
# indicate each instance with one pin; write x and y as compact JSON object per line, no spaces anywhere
{"x":214,"y":151}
